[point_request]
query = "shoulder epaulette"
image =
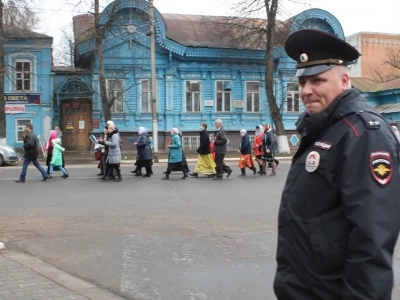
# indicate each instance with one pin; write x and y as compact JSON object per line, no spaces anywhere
{"x":371,"y":119}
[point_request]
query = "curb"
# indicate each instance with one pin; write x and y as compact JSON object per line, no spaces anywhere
{"x":61,"y":277}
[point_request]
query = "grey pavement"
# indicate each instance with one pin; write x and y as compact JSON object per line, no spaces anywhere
{"x":22,"y":277}
{"x":145,"y":238}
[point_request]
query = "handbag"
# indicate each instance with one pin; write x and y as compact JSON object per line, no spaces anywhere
{"x":268,"y":154}
{"x":97,"y":155}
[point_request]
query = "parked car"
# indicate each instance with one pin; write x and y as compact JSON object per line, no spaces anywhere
{"x":396,"y":132}
{"x":8,"y":154}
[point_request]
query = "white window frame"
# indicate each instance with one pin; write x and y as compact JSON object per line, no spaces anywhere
{"x":22,"y":78}
{"x":191,"y":94}
{"x":252,"y":94}
{"x":20,"y":128}
{"x":224,"y":94}
{"x":117,"y":93}
{"x":292,"y":98}
{"x":145,"y":91}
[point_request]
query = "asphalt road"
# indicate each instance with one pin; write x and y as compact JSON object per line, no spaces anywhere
{"x":146,"y":238}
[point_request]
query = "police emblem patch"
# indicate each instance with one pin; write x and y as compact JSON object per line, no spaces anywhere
{"x":312,"y":161}
{"x":381,"y":167}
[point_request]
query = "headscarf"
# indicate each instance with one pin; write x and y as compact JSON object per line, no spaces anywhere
{"x":260,"y":130}
{"x":243,"y":131}
{"x":53,"y":134}
{"x":175,"y":130}
{"x":56,"y":141}
{"x":142,"y":130}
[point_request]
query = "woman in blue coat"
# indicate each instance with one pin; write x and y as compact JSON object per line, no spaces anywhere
{"x":175,"y":155}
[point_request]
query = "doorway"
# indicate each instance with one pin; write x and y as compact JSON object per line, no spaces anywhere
{"x":76,"y":124}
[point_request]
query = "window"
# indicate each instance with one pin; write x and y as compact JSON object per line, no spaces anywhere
{"x":20,"y":126}
{"x":23,"y":75}
{"x":223,"y":95}
{"x":253,"y":96}
{"x":292,"y":97}
{"x":145,"y":96}
{"x":193,"y":92}
{"x":115,"y":93}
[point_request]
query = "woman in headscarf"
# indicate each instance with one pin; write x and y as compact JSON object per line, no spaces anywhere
{"x":245,"y":160}
{"x":257,"y":146}
{"x":49,"y":149}
{"x":144,"y":154}
{"x":205,"y":162}
{"x":175,"y":155}
{"x":113,"y":159}
{"x":268,"y":150}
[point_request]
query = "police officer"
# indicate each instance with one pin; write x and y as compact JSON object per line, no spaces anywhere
{"x":340,"y":211}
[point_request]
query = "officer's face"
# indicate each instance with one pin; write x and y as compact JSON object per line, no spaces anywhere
{"x":318,"y":91}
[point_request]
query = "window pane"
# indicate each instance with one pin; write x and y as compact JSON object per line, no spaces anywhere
{"x":256,"y":102}
{"x":219,"y":86}
{"x":197,"y":102}
{"x":19,"y":85}
{"x":292,"y":87}
{"x":252,"y":86}
{"x":18,"y":66}
{"x":27,"y":66}
{"x":219,"y":101}
{"x":296,"y":102}
{"x":249,"y":100}
{"x":145,"y":102}
{"x":227,"y":102}
{"x":27,"y":85}
{"x":189,"y":106}
{"x":289,"y":102}
{"x":27,"y":75}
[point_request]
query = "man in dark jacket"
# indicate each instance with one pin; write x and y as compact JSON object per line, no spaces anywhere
{"x":31,"y":153}
{"x":220,"y":148}
{"x":339,"y":215}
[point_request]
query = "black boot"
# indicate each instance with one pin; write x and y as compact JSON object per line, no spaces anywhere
{"x":138,"y":173}
{"x":118,"y":179}
{"x":65,"y":175}
{"x":259,"y":170}
{"x":185,"y":175}
{"x":100,"y":174}
{"x":193,"y":175}
{"x":243,"y":172}
{"x":166,"y":177}
{"x":254,"y":170}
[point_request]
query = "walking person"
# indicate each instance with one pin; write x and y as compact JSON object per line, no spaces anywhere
{"x":339,"y":213}
{"x":245,"y":161}
{"x":56,"y":159}
{"x":220,"y":148}
{"x":31,"y":153}
{"x":205,"y":162}
{"x":268,"y":150}
{"x":113,"y":158}
{"x":144,"y":157}
{"x":257,"y":146}
{"x":49,"y":150}
{"x":175,"y":155}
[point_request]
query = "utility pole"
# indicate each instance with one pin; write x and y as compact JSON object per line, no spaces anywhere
{"x":153,"y":80}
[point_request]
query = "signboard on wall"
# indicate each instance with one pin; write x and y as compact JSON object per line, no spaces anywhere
{"x":14,"y":109}
{"x":23,"y":98}
{"x":238,"y":103}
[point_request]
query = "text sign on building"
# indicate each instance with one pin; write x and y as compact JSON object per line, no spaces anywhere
{"x":22,"y":98}
{"x":14,"y":109}
{"x":238,"y":103}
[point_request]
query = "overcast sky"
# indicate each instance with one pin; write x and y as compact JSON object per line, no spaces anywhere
{"x":354,"y":15}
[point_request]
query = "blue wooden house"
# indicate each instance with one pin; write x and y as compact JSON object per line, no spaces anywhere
{"x":27,"y":83}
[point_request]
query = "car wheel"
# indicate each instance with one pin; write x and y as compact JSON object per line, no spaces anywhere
{"x":1,"y":160}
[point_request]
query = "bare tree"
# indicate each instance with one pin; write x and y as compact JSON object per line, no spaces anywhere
{"x":387,"y":68}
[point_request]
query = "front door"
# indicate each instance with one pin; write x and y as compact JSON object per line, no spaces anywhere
{"x":76,"y":124}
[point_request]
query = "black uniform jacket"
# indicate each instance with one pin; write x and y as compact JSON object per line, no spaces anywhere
{"x":339,"y":216}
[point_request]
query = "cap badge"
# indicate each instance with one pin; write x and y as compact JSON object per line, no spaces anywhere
{"x":312,"y":161}
{"x":304,"y":58}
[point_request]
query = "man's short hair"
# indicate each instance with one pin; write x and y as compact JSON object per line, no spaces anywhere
{"x":204,"y":125}
{"x":219,"y":121}
{"x":29,"y":125}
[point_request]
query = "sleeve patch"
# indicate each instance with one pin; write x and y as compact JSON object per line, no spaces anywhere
{"x":381,"y":167}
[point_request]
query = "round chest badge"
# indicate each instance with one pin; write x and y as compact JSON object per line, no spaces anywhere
{"x":312,"y":161}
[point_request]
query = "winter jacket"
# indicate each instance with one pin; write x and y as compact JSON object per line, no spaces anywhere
{"x":143,"y":147}
{"x":268,"y":142}
{"x":220,"y":141}
{"x":257,"y":145}
{"x":339,"y":214}
{"x":114,"y":148}
{"x":245,"y":146}
{"x":204,"y":147}
{"x":56,"y":158}
{"x":31,"y":145}
{"x":175,"y":149}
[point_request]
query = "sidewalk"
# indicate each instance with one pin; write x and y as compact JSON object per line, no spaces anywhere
{"x":23,"y":277}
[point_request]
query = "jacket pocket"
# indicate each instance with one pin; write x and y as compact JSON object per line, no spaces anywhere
{"x":328,"y":242}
